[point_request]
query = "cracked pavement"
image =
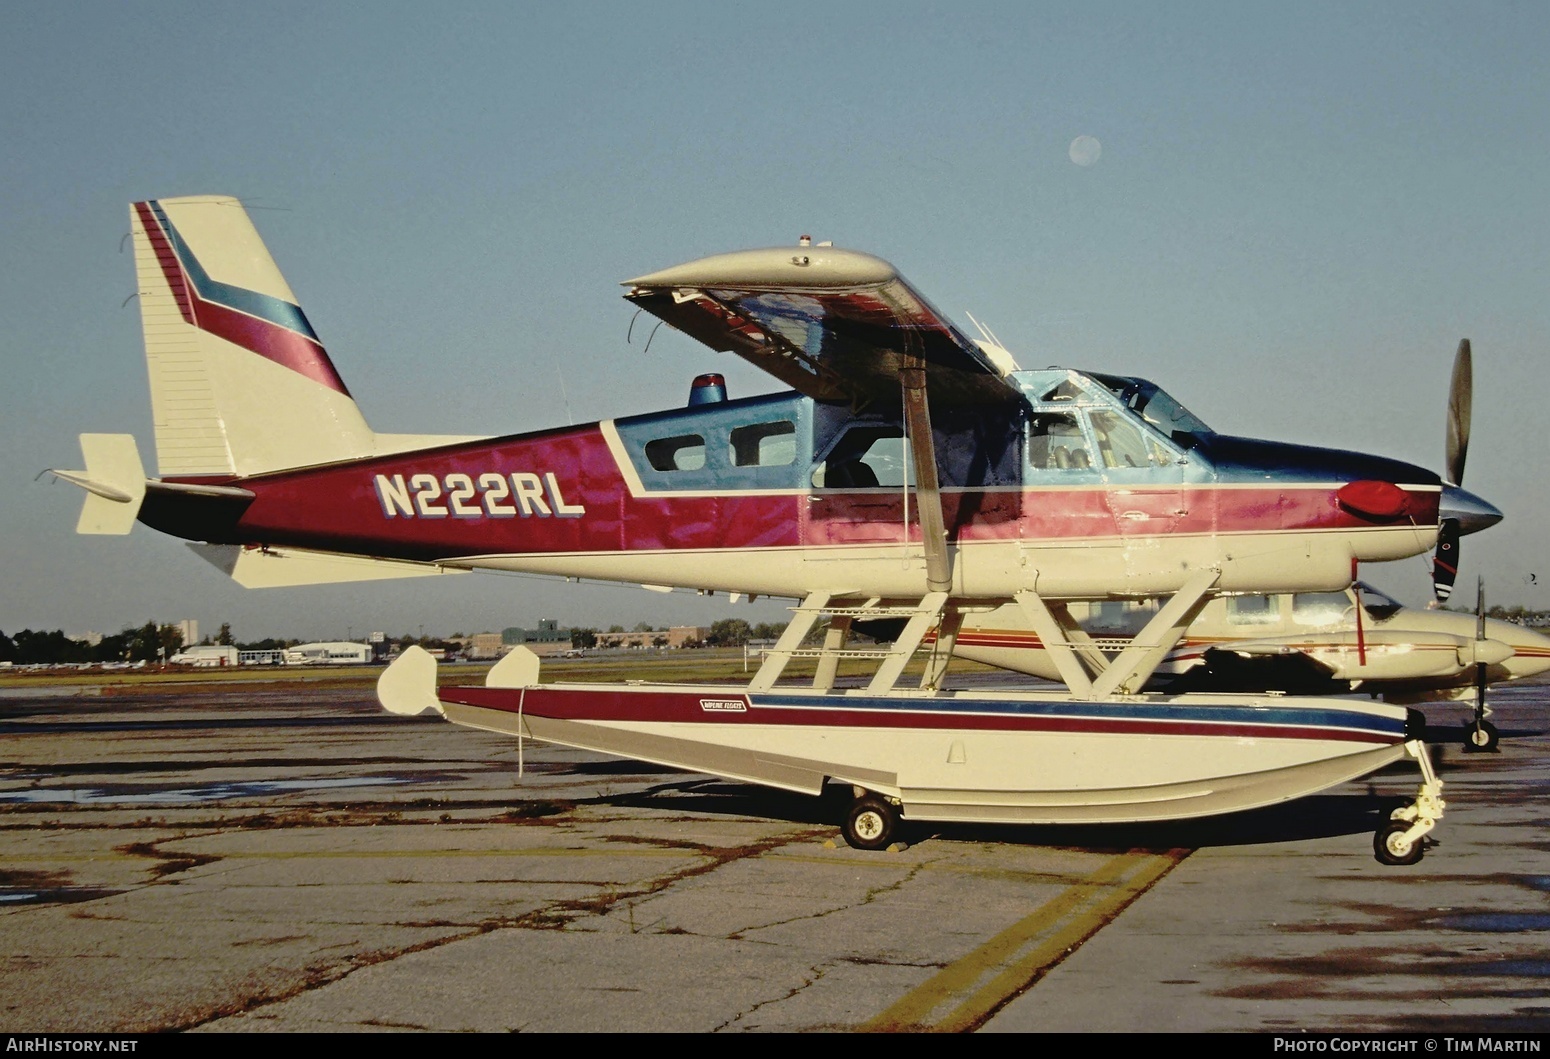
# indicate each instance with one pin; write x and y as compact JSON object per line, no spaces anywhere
{"x":289,"y":858}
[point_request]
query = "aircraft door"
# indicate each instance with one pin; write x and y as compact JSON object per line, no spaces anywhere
{"x":859,"y":489}
{"x":1143,"y":480}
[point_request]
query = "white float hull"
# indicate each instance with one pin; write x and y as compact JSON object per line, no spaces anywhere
{"x":971,"y":756}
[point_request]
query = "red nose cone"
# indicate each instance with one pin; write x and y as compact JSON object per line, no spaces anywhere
{"x":1375,"y":500}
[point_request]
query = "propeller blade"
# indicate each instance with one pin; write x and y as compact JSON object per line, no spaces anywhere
{"x":1460,"y":397}
{"x":1445,"y":564}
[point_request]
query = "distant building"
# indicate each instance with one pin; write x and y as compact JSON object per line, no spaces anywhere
{"x":547,"y":639}
{"x":190,"y":630}
{"x":205,"y":656}
{"x":328,"y":654}
{"x":486,"y":645}
{"x":677,"y":636}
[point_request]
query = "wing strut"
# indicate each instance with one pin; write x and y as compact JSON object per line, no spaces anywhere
{"x":1134,"y":666}
{"x":1074,"y":653}
{"x":922,"y":615}
{"x":1057,"y":642}
{"x":928,"y":493}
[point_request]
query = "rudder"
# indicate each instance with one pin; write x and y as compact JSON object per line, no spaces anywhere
{"x":240,"y":384}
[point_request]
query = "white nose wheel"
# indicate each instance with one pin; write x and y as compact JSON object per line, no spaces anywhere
{"x":871,"y":823}
{"x":1481,"y":737}
{"x":1401,"y":838}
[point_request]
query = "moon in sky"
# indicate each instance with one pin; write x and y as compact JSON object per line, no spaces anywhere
{"x":1085,"y":150}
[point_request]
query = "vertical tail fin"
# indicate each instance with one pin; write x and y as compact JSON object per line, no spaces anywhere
{"x":240,"y":384}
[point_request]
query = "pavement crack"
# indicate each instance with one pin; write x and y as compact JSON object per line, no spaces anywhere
{"x":562,"y":913}
{"x":557,"y":915}
{"x":814,"y":976}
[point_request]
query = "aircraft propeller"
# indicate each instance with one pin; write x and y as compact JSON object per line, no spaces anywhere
{"x":1461,"y":512}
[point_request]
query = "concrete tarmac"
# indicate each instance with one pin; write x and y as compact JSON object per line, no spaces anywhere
{"x":286,"y":857}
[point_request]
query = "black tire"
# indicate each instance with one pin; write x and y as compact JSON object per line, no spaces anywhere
{"x":871,"y":823}
{"x":1384,"y":850}
{"x":1481,"y":738}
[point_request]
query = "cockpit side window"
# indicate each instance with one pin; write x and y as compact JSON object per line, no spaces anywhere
{"x":1056,"y":442}
{"x":1121,"y":443}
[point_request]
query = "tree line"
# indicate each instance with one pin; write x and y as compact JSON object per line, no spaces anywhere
{"x":151,"y":642}
{"x":147,"y":643}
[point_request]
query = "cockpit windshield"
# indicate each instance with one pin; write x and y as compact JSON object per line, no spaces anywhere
{"x":1378,"y":606}
{"x":1152,"y":403}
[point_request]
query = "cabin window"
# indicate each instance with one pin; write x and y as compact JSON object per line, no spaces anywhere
{"x":686,"y":452}
{"x":1110,"y":617}
{"x":1055,"y":442}
{"x":867,"y":457}
{"x":1320,"y":608}
{"x":1253,"y":610}
{"x":1121,"y":443}
{"x":1065,"y":391}
{"x":765,"y":444}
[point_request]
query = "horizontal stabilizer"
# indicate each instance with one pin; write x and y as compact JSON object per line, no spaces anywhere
{"x":291,"y":567}
{"x":114,"y":480}
{"x":519,"y":669}
{"x":408,"y":686}
{"x":390,"y":444}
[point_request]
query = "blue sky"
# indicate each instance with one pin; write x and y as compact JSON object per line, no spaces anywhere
{"x":1297,"y":213}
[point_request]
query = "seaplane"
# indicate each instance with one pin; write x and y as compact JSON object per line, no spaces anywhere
{"x":909,"y":474}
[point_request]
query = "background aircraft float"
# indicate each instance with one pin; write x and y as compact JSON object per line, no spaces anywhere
{"x":910,"y":473}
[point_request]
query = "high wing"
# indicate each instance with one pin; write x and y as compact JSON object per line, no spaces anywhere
{"x":833,"y":324}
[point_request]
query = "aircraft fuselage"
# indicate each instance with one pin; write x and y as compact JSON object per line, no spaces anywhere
{"x":1070,"y":494}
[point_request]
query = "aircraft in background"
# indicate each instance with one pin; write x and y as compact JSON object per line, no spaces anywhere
{"x":910,"y":473}
{"x":1309,"y":643}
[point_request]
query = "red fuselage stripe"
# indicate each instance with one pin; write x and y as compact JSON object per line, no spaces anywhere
{"x":342,"y":508}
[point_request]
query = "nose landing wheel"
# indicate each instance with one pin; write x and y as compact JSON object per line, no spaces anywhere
{"x":1481,"y":738}
{"x":872,"y":823}
{"x":1402,"y":838}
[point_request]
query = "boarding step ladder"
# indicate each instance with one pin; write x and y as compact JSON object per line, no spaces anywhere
{"x":930,"y":612}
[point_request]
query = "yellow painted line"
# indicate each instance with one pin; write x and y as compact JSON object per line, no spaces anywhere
{"x":963,"y":994}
